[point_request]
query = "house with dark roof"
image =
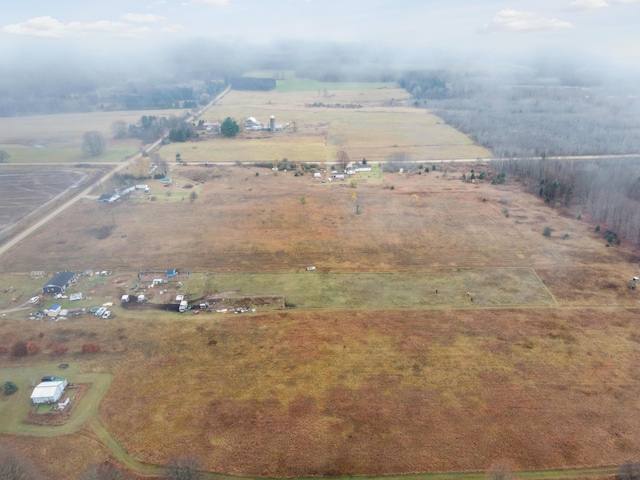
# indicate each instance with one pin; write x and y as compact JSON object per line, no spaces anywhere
{"x":59,"y":283}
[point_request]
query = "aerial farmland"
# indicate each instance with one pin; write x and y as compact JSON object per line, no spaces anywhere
{"x":441,"y":329}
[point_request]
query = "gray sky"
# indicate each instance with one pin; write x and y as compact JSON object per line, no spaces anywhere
{"x":604,"y":28}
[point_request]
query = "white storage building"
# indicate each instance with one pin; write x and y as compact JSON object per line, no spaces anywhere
{"x":48,"y":392}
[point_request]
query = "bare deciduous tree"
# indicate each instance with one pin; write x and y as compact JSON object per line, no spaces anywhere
{"x":14,"y":466}
{"x":343,"y":158}
{"x":120,"y":129}
{"x":502,"y":470}
{"x":93,"y":144}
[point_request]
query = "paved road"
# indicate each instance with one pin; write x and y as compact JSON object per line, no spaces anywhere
{"x":119,"y":166}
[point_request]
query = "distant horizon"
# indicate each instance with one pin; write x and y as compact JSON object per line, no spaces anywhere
{"x":606,"y":30}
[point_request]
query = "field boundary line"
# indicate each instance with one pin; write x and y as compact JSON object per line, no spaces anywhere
{"x":553,"y":297}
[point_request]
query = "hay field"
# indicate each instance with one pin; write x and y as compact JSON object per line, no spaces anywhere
{"x":382,"y":128}
{"x":58,"y":138}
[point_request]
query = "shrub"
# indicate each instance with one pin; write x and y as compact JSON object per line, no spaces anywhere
{"x":597,"y":228}
{"x":59,"y":349}
{"x":33,"y":348}
{"x":547,"y":231}
{"x":579,"y":216}
{"x":506,"y":212}
{"x":629,"y":471}
{"x":565,"y":236}
{"x":392,"y":187}
{"x":19,"y":349}
{"x":9,"y":388}
{"x":193,"y":196}
{"x":303,"y":199}
{"x":257,"y":174}
{"x":90,"y":348}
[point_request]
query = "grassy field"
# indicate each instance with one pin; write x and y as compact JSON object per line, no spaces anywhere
{"x":58,"y":138}
{"x":373,"y":373}
{"x":23,"y":154}
{"x":302,"y":85}
{"x":382,"y":128}
{"x":493,"y":287}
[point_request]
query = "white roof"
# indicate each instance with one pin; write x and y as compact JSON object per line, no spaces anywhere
{"x":46,"y":389}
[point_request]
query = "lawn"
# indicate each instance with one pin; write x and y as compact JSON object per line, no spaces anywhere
{"x":14,"y":409}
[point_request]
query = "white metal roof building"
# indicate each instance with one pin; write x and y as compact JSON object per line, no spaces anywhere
{"x":48,"y":392}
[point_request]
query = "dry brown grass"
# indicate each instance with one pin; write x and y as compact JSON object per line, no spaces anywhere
{"x":361,"y":392}
{"x":353,"y":392}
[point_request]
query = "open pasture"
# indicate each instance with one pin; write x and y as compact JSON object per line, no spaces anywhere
{"x":390,"y":391}
{"x":58,"y":138}
{"x":22,"y":192}
{"x":243,"y":223}
{"x":381,"y":129}
{"x":494,"y":287}
{"x":401,"y":383}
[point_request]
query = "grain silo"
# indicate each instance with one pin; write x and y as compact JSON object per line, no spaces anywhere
{"x":272,"y":123}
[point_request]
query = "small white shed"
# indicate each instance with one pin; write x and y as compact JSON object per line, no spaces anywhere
{"x":48,"y":392}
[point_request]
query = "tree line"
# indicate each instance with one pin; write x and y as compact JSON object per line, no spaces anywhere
{"x":87,"y":97}
{"x":253,"y":83}
{"x":607,"y":190}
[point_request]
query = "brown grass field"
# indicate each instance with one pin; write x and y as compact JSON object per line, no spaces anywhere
{"x":374,"y":372}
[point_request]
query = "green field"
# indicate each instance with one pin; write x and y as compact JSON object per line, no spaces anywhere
{"x":304,"y":85}
{"x":66,"y":154}
{"x":287,"y":82}
{"x":487,"y":287}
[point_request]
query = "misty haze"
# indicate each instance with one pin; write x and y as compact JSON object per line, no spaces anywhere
{"x":307,"y":238}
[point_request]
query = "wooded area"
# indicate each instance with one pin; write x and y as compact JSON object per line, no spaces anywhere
{"x":606,"y":190}
{"x":252,"y":83}
{"x":525,"y":121}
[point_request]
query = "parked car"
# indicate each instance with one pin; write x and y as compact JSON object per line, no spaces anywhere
{"x":106,"y":314}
